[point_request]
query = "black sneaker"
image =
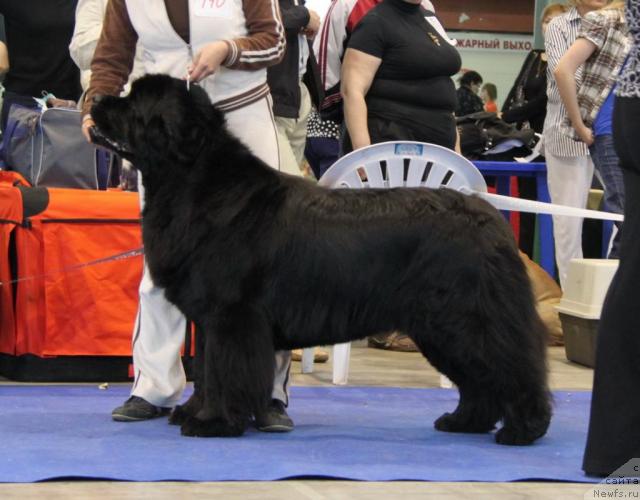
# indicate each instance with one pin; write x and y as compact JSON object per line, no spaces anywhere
{"x":275,"y":419}
{"x":135,"y":408}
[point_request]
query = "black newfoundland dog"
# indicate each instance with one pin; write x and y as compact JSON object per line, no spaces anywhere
{"x":262,"y":261}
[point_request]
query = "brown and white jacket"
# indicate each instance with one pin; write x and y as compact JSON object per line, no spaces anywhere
{"x":172,"y":31}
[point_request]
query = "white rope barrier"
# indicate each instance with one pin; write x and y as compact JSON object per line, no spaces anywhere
{"x":538,"y":207}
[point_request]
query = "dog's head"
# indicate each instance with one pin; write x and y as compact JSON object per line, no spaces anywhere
{"x":159,"y":121}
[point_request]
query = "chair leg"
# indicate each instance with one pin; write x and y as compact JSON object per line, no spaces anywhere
{"x":341,"y":353}
{"x":307,"y":359}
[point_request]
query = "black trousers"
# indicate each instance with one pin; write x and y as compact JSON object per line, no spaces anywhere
{"x":614,"y":426}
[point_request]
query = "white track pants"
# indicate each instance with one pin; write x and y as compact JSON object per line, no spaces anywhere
{"x":569,"y":179}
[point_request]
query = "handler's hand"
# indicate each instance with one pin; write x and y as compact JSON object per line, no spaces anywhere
{"x":585,"y":134}
{"x":313,"y":26}
{"x":87,"y":123}
{"x":208,"y":60}
{"x":54,"y":102}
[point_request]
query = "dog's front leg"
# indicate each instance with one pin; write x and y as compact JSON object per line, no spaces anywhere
{"x":237,"y":372}
{"x":194,"y":404}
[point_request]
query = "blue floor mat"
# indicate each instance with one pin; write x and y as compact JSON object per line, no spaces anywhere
{"x":361,"y":433}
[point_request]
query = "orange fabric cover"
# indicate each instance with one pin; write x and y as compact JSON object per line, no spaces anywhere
{"x":10,"y":217}
{"x":66,"y":310}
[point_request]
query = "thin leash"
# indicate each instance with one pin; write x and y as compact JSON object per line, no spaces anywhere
{"x":112,"y":258}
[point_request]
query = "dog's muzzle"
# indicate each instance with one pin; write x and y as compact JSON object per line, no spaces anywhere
{"x":99,"y":139}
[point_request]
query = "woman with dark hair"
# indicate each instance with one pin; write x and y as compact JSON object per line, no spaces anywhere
{"x":526,"y":103}
{"x":614,"y":433}
{"x":467,"y":94}
{"x":396,"y":78}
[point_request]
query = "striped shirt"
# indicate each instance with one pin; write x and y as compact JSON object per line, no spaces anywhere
{"x":607,"y":30}
{"x":560,"y":35}
{"x":629,"y":81}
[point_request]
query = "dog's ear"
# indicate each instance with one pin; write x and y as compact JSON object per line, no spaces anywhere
{"x":153,"y":134}
{"x":170,"y":121}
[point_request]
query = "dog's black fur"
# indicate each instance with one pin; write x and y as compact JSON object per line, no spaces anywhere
{"x":262,"y":261}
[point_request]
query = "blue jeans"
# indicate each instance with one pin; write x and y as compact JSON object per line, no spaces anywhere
{"x":607,"y":163}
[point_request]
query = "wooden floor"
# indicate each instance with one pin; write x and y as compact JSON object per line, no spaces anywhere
{"x":368,"y":367}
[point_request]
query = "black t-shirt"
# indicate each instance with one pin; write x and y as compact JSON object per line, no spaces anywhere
{"x":417,"y":62}
{"x":38,"y":35}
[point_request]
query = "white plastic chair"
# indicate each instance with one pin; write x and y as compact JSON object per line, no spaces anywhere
{"x":389,"y":165}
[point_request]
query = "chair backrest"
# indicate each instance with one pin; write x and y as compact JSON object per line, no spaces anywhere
{"x":404,"y":164}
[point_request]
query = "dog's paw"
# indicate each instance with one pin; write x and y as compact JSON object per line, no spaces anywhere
{"x":451,"y":422}
{"x":445,"y":423}
{"x":178,"y":415}
{"x":516,"y":437}
{"x":215,"y":427}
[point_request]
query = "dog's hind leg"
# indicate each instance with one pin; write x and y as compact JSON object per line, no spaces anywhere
{"x":501,"y":377}
{"x":524,"y":409}
{"x":526,"y":418}
{"x":525,"y":395}
{"x":494,"y":351}
{"x":518,"y":348}
{"x":477,"y":411}
{"x":501,"y":343}
{"x":238,"y":372}
{"x":193,"y":405}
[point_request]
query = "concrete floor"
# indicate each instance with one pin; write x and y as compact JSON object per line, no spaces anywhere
{"x":370,"y":367}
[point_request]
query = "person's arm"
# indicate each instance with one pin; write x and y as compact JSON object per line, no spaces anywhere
{"x":263,"y":46}
{"x":358,"y":70}
{"x":565,"y":75}
{"x":113,"y":58}
{"x":4,"y":58}
{"x":329,"y":47}
{"x":89,"y":17}
{"x":555,"y":43}
{"x":265,"y":43}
